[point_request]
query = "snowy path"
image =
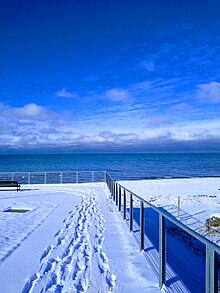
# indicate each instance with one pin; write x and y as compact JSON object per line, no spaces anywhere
{"x":67,"y":266}
{"x":82,"y":245}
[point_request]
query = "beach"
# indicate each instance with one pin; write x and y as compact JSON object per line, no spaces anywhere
{"x":73,"y":236}
{"x":72,"y":239}
{"x":199,"y":198}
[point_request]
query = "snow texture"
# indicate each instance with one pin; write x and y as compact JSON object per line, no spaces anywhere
{"x":13,"y":235}
{"x":72,"y":239}
{"x":199,"y":200}
{"x":67,"y":266}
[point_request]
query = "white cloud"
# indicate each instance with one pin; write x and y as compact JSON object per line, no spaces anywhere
{"x":33,"y":111}
{"x":109,"y":136}
{"x":118,"y":95}
{"x":209,"y":92}
{"x":65,"y":94}
{"x":30,"y":111}
{"x":196,"y":130}
{"x":23,"y":128}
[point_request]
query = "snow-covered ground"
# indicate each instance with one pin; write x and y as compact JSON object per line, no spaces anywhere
{"x":199,"y":199}
{"x":185,"y":256}
{"x":71,"y":239}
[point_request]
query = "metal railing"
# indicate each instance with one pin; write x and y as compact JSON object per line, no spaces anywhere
{"x":54,"y":177}
{"x":137,"y":212}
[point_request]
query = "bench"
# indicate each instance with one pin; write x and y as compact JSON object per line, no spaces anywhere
{"x":10,"y":184}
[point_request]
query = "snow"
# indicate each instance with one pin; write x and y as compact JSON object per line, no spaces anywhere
{"x":185,"y":256}
{"x":199,"y":199}
{"x":71,"y":239}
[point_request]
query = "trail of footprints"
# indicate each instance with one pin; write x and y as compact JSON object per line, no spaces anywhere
{"x":67,"y":266}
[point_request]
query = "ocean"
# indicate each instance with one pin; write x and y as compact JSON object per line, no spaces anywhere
{"x":120,"y":166}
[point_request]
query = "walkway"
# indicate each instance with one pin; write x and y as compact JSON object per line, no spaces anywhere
{"x":80,"y":244}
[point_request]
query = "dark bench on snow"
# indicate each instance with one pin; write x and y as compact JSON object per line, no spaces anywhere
{"x":10,"y":184}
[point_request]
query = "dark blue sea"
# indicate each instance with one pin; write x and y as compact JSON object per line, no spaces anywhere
{"x":120,"y":166}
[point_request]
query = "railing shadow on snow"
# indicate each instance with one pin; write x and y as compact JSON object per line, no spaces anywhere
{"x":182,"y":259}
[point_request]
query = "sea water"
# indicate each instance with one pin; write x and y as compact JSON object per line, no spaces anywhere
{"x":120,"y":166}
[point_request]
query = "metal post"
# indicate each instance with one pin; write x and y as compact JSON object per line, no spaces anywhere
{"x":119,"y":200}
{"x":45,"y":178}
{"x":61,"y":177}
{"x":105,"y":175}
{"x":124,"y":204}
{"x":12,"y":176}
{"x":77,"y":177}
{"x":142,"y":225}
{"x":116,"y":194}
{"x":114,"y":190}
{"x":211,"y":271}
{"x":131,"y":212}
{"x":29,"y":177}
{"x":162,"y":251}
{"x":92,"y":176}
{"x":178,"y":216}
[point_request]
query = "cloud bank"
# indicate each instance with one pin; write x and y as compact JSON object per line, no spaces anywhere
{"x":33,"y":127}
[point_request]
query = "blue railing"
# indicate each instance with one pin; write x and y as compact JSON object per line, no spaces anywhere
{"x":169,"y":258}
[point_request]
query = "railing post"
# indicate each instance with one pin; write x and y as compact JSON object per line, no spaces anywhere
{"x":162,"y":251}
{"x":116,"y":194}
{"x":92,"y":176}
{"x":178,"y":215}
{"x":29,"y":178}
{"x":211,"y":271}
{"x":12,"y":176}
{"x":45,"y":178}
{"x":61,"y":177}
{"x":119,"y":200}
{"x":124,"y":204}
{"x":110,"y":184}
{"x":105,"y":178}
{"x":131,"y":212}
{"x":142,"y":225}
{"x":114,"y":190}
{"x":77,"y":177}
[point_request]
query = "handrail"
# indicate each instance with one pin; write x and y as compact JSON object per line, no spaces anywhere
{"x":54,"y":177}
{"x":212,"y":249}
{"x":175,"y":221}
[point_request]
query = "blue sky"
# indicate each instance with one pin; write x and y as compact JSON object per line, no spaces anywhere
{"x":113,"y":75}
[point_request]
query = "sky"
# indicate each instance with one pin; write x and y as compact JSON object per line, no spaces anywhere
{"x":110,"y":76}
